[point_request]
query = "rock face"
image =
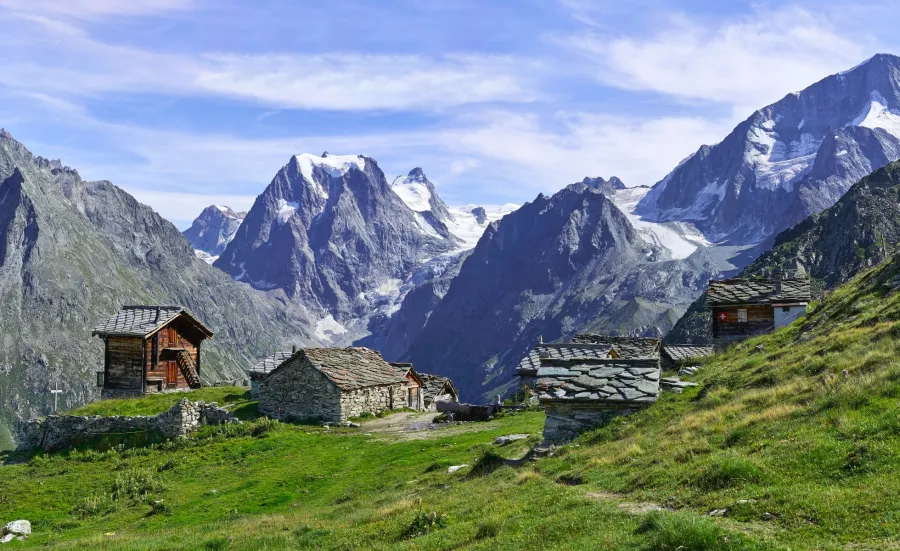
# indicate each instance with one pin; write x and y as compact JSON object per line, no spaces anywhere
{"x":859,"y":231}
{"x":58,"y":432}
{"x":331,"y":233}
{"x":568,"y":263}
{"x":72,"y":253}
{"x":791,"y":159}
{"x":213,"y":230}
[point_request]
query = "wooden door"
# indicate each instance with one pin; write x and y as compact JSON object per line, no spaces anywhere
{"x":171,"y":337}
{"x":171,"y":373}
{"x":413,"y":398}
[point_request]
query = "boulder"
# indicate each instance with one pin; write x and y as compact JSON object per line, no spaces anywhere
{"x":503,"y":440}
{"x":18,"y":528}
{"x":454,"y":468}
{"x":7,"y":538}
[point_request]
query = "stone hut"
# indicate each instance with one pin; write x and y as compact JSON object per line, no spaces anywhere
{"x":743,"y":308}
{"x":676,"y":356}
{"x":437,"y":389}
{"x":333,"y":384}
{"x":150,"y":349}
{"x":582,"y":384}
{"x":265,"y":366}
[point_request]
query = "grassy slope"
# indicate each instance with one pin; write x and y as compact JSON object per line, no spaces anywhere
{"x":802,"y":458}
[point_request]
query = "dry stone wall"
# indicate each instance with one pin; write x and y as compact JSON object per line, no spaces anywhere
{"x":57,"y":432}
{"x":373,"y":400}
{"x":565,"y":421}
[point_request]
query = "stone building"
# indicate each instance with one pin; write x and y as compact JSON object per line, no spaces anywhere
{"x":743,"y":308}
{"x":150,"y":349}
{"x":437,"y":389}
{"x":265,"y":366}
{"x":582,"y":384}
{"x":333,"y":384}
{"x":677,"y":356}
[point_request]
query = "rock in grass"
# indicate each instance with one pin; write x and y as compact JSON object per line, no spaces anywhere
{"x":503,"y":440}
{"x":455,"y":468}
{"x":18,"y":528}
{"x":7,"y":538}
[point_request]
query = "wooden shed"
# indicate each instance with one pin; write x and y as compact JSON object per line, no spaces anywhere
{"x":742,"y":308}
{"x":150,"y":349}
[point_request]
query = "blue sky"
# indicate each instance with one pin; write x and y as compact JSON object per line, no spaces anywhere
{"x":185,"y":103}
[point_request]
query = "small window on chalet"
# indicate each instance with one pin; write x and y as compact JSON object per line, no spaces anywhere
{"x":742,"y":315}
{"x":785,"y":308}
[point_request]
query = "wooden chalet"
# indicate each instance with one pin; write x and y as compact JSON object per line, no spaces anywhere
{"x":433,"y":388}
{"x":150,"y":349}
{"x":742,"y":308}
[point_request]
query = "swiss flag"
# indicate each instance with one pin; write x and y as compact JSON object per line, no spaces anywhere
{"x":723,"y":316}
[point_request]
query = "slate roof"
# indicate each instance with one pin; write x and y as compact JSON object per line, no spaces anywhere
{"x":141,"y":321}
{"x":589,"y":347}
{"x":432,"y":385}
{"x":600,"y":381}
{"x":352,"y":368}
{"x":757,"y":291}
{"x":686,"y":352}
{"x":269,"y":363}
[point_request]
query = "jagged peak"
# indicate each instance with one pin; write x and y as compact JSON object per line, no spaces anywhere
{"x":417,"y":174}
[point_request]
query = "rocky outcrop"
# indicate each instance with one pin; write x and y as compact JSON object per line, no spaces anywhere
{"x":57,"y":432}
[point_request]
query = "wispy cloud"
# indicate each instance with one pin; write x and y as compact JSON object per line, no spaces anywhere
{"x":330,"y":81}
{"x":93,"y":9}
{"x":751,"y":61}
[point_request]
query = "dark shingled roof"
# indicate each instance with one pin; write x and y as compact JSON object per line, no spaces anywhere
{"x":432,"y":385}
{"x":686,"y":352}
{"x":589,"y":347}
{"x":757,"y":291}
{"x":352,"y":368}
{"x":269,"y":363}
{"x":140,"y":321}
{"x":599,"y":381}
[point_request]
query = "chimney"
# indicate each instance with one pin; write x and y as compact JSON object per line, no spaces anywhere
{"x":294,"y":349}
{"x":540,"y":339}
{"x":778,"y":283}
{"x":157,"y":315}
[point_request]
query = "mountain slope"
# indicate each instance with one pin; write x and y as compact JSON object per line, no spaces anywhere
{"x":860,"y":230}
{"x":72,"y":252}
{"x":562,"y":264}
{"x":791,"y":159}
{"x":331,"y":234}
{"x":213,"y":230}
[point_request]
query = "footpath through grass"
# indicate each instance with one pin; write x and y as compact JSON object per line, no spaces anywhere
{"x":792,"y":438}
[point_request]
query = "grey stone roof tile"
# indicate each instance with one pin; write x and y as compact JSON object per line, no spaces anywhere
{"x":353,"y":368}
{"x":686,"y":352}
{"x":757,"y":291}
{"x":139,"y":321}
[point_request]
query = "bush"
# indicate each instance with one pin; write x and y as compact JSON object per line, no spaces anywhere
{"x":263,"y":426}
{"x":93,"y":505}
{"x":159,"y":507}
{"x":135,"y":485}
{"x":424,"y":523}
{"x":727,"y":470}
{"x":666,"y":531}
{"x":488,"y":529}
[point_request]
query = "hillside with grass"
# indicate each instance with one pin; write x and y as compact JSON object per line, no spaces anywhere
{"x":790,"y":441}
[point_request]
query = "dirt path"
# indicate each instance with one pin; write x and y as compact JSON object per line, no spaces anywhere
{"x":406,"y":421}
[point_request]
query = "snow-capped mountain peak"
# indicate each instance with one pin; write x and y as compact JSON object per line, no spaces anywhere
{"x":213,"y":230}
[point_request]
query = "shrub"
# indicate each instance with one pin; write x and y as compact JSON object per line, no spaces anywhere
{"x":424,"y":523}
{"x":727,"y":470}
{"x":488,"y":529}
{"x":666,"y":531}
{"x":263,"y":426}
{"x":135,"y":485}
{"x":93,"y":505}
{"x":159,"y":507}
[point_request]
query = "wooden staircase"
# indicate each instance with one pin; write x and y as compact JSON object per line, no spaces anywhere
{"x":188,"y":369}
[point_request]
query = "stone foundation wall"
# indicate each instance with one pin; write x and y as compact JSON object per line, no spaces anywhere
{"x":373,"y":400}
{"x":57,"y":432}
{"x":566,"y":421}
{"x":297,"y":391}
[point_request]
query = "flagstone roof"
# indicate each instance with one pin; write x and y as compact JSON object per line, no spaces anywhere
{"x":269,"y":363}
{"x":142,"y":321}
{"x":600,"y":381}
{"x":686,"y":352}
{"x":757,"y":291}
{"x":350,"y":368}
{"x":589,"y":347}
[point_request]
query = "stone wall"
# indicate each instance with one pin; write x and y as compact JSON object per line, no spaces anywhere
{"x":57,"y":432}
{"x":373,"y":399}
{"x":298,"y":391}
{"x":565,"y":421}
